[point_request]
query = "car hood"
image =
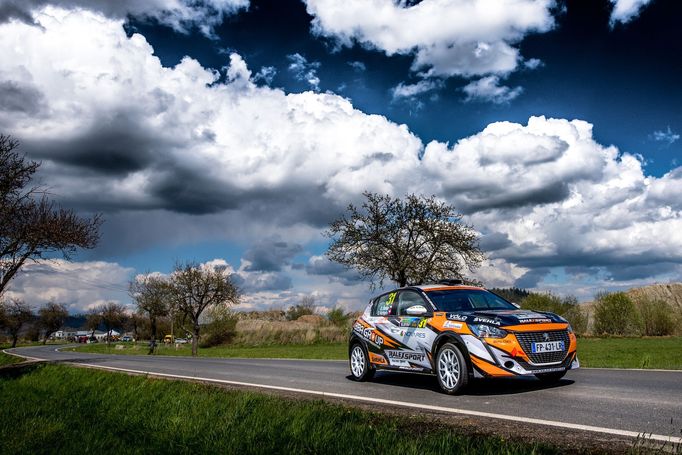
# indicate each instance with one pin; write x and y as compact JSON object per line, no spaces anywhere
{"x":501,"y":318}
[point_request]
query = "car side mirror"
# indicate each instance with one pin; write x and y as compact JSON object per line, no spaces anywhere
{"x":516,"y":305}
{"x":417,"y":310}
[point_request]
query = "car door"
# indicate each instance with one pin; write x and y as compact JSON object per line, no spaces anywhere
{"x":415,"y":337}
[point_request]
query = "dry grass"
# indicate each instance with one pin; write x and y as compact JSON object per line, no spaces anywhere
{"x":309,"y":329}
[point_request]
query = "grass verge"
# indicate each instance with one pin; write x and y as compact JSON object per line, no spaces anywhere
{"x":6,"y":359}
{"x":54,"y":408}
{"x":659,"y":352}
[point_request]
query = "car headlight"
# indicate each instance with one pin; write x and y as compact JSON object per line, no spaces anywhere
{"x":487,"y":331}
{"x":569,"y":328}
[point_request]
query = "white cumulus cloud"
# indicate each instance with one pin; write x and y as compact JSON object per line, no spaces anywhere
{"x":489,"y":89}
{"x":447,"y":37}
{"x":626,"y":10}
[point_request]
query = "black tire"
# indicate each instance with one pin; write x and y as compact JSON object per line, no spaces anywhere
{"x":551,"y":378}
{"x":451,"y":369}
{"x":358,"y":361}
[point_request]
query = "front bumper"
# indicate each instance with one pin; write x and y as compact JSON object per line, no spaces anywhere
{"x":492,"y":361}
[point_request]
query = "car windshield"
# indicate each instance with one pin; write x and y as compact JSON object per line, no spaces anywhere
{"x":468,"y":300}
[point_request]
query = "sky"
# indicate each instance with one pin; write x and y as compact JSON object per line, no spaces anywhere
{"x":234,"y":131}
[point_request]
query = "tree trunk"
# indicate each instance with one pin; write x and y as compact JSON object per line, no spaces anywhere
{"x":14,"y":340}
{"x":152,"y":342}
{"x":195,"y":341}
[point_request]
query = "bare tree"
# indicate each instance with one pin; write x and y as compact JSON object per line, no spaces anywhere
{"x":152,"y":297}
{"x":31,"y":226}
{"x":51,"y":317}
{"x":112,"y":315}
{"x":93,"y":320}
{"x":194,"y":288}
{"x":16,"y":314}
{"x":136,"y":323}
{"x":411,"y":240}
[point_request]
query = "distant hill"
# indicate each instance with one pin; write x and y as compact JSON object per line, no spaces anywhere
{"x":671,"y":293}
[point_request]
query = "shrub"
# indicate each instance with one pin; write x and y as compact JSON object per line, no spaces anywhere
{"x":616,"y":314}
{"x":658,"y":317}
{"x":338,"y":317}
{"x":220,"y":328}
{"x":307,"y":306}
{"x":566,"y":307}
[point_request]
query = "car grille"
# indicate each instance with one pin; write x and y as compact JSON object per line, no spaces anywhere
{"x":526,"y":338}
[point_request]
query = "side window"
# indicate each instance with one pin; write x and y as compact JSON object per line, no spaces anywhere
{"x":384,"y":305}
{"x":407,"y":299}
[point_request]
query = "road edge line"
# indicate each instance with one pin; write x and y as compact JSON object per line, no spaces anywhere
{"x":552,"y":423}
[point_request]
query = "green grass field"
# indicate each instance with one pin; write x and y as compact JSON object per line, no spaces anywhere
{"x":663,"y":352}
{"x":60,"y":409}
{"x":660,"y":352}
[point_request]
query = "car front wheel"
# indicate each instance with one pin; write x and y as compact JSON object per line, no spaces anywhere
{"x":360,"y":368}
{"x":451,"y":369}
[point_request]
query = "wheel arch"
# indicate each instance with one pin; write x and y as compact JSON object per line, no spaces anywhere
{"x":455,"y":339}
{"x":355,"y":339}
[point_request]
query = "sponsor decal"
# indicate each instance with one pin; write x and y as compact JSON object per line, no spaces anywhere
{"x":368,"y":333}
{"x":531,"y":318}
{"x":409,"y":356}
{"x":487,"y":321}
{"x":534,"y":320}
{"x":452,"y":325}
{"x":409,"y":322}
{"x":377,"y":359}
{"x":457,"y":317}
{"x":418,"y":323}
{"x":413,"y":334}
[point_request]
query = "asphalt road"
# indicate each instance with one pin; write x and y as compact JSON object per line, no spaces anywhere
{"x":621,"y":400}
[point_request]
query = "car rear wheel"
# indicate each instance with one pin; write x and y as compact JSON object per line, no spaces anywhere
{"x":360,"y":368}
{"x":451,"y":369}
{"x":551,"y":377}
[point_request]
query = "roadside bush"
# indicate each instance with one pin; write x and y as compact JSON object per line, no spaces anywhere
{"x":658,"y":317}
{"x":566,"y":307}
{"x":307,"y":306}
{"x":221,"y":328}
{"x":616,"y":314}
{"x":338,"y":317}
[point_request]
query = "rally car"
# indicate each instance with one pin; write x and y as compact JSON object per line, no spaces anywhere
{"x":459,"y":332}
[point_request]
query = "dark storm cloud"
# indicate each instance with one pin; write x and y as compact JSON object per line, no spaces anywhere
{"x":112,"y":146}
{"x":259,"y":282}
{"x":322,"y":266}
{"x":494,"y":241}
{"x":633,"y":272}
{"x":21,"y":97}
{"x":531,"y":278}
{"x":493,"y":198}
{"x":270,"y":255}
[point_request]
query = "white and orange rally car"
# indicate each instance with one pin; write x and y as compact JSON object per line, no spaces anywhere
{"x":459,"y":332}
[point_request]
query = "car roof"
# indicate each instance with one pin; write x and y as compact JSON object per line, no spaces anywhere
{"x":442,"y":287}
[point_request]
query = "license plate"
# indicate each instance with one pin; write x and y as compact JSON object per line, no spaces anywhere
{"x":548,"y":346}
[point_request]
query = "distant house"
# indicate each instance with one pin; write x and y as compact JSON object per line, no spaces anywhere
{"x":65,"y":333}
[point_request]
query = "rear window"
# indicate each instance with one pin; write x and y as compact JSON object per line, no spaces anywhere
{"x":467,"y":300}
